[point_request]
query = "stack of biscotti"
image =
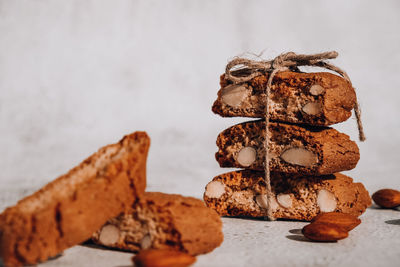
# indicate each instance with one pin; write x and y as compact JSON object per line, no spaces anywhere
{"x":305,"y":154}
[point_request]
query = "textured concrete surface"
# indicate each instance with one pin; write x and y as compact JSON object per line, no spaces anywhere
{"x":75,"y":75}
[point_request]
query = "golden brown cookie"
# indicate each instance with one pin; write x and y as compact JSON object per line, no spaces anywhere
{"x":68,"y":210}
{"x":306,"y":98}
{"x":242,"y":193}
{"x":161,"y":220}
{"x":292,"y":148}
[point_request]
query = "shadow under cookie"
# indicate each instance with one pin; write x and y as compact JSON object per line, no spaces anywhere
{"x":393,"y":222}
{"x":295,"y":231}
{"x":300,"y":238}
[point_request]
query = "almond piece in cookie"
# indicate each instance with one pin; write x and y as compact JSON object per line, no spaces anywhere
{"x":246,"y":156}
{"x":109,"y":235}
{"x":215,"y":189}
{"x":316,"y":89}
{"x":312,"y":108}
{"x":299,"y":156}
{"x":234,"y":95}
{"x":326,"y":201}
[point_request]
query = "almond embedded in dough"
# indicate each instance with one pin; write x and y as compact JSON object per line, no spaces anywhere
{"x":146,"y":242}
{"x":326,"y":201}
{"x":262,"y":201}
{"x":312,"y":108}
{"x":234,"y":94}
{"x":215,"y":189}
{"x":246,"y":156}
{"x":316,"y":89}
{"x":284,"y":200}
{"x":109,"y":235}
{"x":299,"y":156}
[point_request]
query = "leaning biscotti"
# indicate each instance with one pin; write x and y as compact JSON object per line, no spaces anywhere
{"x":242,"y":193}
{"x":161,"y":220}
{"x":292,"y":148}
{"x":68,"y":210}
{"x":306,"y":98}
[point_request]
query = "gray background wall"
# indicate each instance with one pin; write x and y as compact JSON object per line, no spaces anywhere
{"x":76,"y":75}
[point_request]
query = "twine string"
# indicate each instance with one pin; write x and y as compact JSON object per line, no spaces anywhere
{"x":241,"y":70}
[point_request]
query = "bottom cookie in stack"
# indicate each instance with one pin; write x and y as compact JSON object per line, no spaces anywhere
{"x":161,"y":220}
{"x":242,"y":193}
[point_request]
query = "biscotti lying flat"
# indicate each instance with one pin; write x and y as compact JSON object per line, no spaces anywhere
{"x":68,"y":210}
{"x":242,"y":193}
{"x":292,"y":148}
{"x":306,"y":98}
{"x":164,"y":221}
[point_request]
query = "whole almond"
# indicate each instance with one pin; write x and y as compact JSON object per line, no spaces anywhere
{"x":344,"y":220}
{"x":163,"y":258}
{"x":387,"y":198}
{"x":324,"y":232}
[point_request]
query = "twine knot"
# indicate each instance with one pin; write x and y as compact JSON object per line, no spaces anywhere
{"x":280,"y":60}
{"x":242,"y":69}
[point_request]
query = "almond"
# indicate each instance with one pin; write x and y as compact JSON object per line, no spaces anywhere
{"x":109,"y":235}
{"x":326,"y":201}
{"x":299,"y":156}
{"x":387,"y":198}
{"x":246,"y":156}
{"x":284,"y":200}
{"x":163,"y":258}
{"x":312,"y":108}
{"x":233,"y":95}
{"x":344,"y":220}
{"x":215,"y":189}
{"x":324,"y":232}
{"x":146,"y":242}
{"x":317,"y":89}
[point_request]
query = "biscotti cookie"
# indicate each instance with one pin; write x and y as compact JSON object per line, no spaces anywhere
{"x":68,"y":210}
{"x":307,"y":98}
{"x":242,"y":193}
{"x":292,"y":148}
{"x":161,"y":220}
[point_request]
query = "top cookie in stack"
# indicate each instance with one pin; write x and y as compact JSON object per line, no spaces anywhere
{"x":319,"y":99}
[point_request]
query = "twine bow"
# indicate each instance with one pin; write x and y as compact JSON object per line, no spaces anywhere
{"x":247,"y":69}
